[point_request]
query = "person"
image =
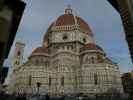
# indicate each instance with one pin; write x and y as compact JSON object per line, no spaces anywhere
{"x":47,"y":97}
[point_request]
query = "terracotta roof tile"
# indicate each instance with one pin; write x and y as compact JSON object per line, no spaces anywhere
{"x":91,"y":46}
{"x":68,"y":19}
{"x":40,"y":50}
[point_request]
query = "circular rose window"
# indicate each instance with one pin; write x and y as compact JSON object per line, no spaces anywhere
{"x":65,"y":37}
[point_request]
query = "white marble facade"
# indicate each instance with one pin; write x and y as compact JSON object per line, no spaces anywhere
{"x":69,"y":62}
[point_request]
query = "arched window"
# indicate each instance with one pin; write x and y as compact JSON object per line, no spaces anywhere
{"x":76,"y":79}
{"x":17,"y":63}
{"x":48,"y":41}
{"x":18,"y":53}
{"x":95,"y":79}
{"x":93,"y":60}
{"x":86,"y":59}
{"x":62,"y":81}
{"x":30,"y":79}
{"x":84,"y":40}
{"x":100,"y":59}
{"x":50,"y":81}
{"x":65,"y":37}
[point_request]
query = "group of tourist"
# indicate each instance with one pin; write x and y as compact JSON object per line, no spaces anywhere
{"x":5,"y":96}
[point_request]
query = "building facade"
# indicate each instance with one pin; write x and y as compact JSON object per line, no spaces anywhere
{"x":69,"y":62}
{"x":127,"y":81}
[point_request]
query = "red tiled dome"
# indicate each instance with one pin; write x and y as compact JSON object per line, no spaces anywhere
{"x":40,"y":50}
{"x":91,"y":46}
{"x":69,"y":19}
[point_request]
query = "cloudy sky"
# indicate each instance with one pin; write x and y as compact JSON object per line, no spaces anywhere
{"x":101,"y":17}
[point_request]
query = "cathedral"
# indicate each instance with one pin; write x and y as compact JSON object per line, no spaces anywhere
{"x":69,"y":62}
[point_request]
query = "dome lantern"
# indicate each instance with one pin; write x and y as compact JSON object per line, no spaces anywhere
{"x":68,"y":10}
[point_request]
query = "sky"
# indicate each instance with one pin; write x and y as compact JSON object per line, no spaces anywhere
{"x":103,"y":19}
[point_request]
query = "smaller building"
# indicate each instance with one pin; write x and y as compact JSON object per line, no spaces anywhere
{"x":127,"y":81}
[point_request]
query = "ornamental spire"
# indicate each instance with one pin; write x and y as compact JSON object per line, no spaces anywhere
{"x":68,"y":10}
